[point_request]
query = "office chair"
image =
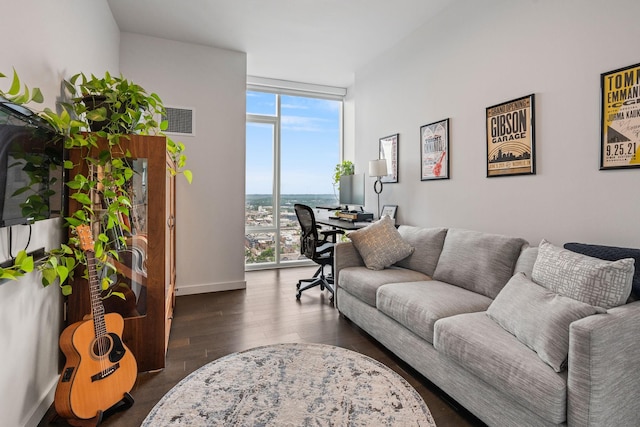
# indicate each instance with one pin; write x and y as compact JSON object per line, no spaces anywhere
{"x":317,"y":245}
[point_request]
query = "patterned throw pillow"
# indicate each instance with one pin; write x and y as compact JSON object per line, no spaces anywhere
{"x":594,"y":281}
{"x":611,"y":253}
{"x":539,"y":318}
{"x":380,"y":244}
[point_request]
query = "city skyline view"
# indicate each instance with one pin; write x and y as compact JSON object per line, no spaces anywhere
{"x":293,"y":146}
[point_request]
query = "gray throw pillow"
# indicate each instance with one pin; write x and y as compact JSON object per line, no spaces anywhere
{"x":380,"y":244}
{"x":427,"y":244}
{"x":539,"y":318}
{"x":591,"y":280}
{"x":477,"y":261}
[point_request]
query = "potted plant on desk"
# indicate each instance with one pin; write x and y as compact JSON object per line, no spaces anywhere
{"x":345,"y":167}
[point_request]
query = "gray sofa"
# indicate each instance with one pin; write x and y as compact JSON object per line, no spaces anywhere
{"x":432,"y":309}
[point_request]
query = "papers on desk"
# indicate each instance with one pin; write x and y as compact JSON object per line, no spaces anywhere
{"x":362,"y":224}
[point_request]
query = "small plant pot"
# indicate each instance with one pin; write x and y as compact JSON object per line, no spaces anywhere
{"x":93,"y":102}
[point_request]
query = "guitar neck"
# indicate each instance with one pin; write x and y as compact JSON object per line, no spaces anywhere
{"x":97,"y":309}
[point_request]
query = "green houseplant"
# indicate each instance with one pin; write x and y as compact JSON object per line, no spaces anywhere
{"x":112,"y":104}
{"x":124,"y":108}
{"x":19,"y":94}
{"x":345,"y":167}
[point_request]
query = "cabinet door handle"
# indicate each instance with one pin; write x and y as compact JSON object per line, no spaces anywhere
{"x":171,"y":221}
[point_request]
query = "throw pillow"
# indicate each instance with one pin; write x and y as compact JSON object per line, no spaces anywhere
{"x":477,"y":261}
{"x":539,"y":318}
{"x":611,"y":253}
{"x":591,"y":280}
{"x":427,"y":244}
{"x":380,"y":244}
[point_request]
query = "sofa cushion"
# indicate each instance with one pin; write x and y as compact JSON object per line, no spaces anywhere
{"x":427,"y":245}
{"x":539,"y":318}
{"x":482,"y":347}
{"x":526,"y":260}
{"x":363,"y":283}
{"x":418,"y":305}
{"x":591,"y":280}
{"x":611,"y":253}
{"x":479,"y":262}
{"x":380,"y":244}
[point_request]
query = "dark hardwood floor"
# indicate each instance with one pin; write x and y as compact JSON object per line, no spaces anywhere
{"x":209,"y":326}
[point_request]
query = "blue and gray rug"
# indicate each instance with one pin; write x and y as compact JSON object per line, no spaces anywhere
{"x":292,"y":385}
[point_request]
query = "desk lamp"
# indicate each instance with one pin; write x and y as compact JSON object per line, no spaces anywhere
{"x":378,"y":169}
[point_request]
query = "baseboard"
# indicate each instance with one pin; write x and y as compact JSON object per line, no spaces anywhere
{"x":210,"y":287}
{"x":43,"y":406}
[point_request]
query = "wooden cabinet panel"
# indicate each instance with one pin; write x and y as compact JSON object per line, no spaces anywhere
{"x":148,"y":261}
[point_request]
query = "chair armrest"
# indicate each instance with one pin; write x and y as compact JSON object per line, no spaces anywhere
{"x":345,"y":255}
{"x":603,"y":385}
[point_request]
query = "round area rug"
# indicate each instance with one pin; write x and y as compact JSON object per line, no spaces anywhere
{"x":292,"y":385}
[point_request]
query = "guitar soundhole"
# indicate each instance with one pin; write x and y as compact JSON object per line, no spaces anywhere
{"x":102,"y":346}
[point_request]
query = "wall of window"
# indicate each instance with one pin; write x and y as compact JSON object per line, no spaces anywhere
{"x":293,"y":142}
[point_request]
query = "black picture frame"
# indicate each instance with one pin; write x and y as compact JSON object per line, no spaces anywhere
{"x":620,"y":119}
{"x":434,"y":151}
{"x":511,"y":138}
{"x":388,"y":149}
{"x":390,"y":210}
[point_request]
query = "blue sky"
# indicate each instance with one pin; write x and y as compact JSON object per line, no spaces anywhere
{"x":310,"y":144}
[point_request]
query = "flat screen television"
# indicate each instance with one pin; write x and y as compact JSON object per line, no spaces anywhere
{"x":352,"y":189}
{"x":31,"y":167}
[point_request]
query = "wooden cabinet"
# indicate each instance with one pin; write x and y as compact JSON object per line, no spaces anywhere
{"x":147,"y":264}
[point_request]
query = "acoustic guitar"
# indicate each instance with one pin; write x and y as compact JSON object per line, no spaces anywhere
{"x":100,"y":370}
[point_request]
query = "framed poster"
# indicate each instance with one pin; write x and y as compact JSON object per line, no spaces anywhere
{"x":389,"y":152}
{"x":434,"y":151}
{"x":620,"y":121}
{"x":511,"y":138}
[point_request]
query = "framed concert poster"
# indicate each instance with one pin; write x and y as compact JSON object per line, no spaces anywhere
{"x":511,"y":138}
{"x":389,"y":152}
{"x":620,"y":121}
{"x":434,"y":151}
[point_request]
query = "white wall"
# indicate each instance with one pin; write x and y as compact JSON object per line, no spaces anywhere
{"x":46,"y":42}
{"x":477,"y":54}
{"x":210,"y":211}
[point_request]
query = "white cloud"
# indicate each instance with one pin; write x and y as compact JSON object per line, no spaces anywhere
{"x":301,"y":123}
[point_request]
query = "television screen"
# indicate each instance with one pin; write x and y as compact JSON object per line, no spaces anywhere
{"x":352,"y":189}
{"x":31,"y":167}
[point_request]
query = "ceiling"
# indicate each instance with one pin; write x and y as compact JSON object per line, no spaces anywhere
{"x":312,"y":41}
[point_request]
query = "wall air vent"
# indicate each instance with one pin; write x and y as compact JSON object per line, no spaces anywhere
{"x":181,"y":121}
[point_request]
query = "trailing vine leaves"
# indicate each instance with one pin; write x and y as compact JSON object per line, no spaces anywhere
{"x":120,"y":107}
{"x":19,"y":93}
{"x":22,"y":265}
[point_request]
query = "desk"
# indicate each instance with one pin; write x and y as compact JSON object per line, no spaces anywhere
{"x":344,"y":225}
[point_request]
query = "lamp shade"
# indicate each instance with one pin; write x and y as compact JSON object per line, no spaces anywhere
{"x":378,"y":167}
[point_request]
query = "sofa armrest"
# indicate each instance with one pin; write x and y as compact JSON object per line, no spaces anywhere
{"x":604,"y":368}
{"x":345,"y":255}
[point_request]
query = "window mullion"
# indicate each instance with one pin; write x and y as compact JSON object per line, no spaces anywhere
{"x":277,"y":184}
